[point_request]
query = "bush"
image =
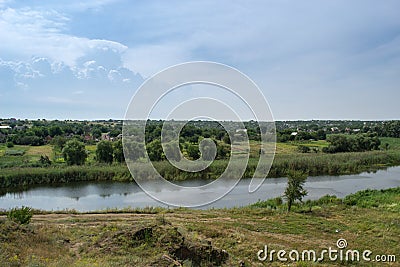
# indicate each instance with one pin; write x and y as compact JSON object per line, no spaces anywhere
{"x":303,"y":149}
{"x":21,"y":215}
{"x":44,"y":160}
{"x":9,"y":144}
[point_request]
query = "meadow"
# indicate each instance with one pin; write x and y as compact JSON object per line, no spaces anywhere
{"x":216,"y":237}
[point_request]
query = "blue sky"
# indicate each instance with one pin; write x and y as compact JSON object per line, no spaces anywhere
{"x":311,"y":59}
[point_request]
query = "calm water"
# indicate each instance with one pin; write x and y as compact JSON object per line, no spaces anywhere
{"x":89,"y":196}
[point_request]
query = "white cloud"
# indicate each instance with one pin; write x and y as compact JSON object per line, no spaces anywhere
{"x":43,"y":31}
{"x":150,"y":59}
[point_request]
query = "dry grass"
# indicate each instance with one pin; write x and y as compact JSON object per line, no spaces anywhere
{"x":39,"y":150}
{"x":105,"y":239}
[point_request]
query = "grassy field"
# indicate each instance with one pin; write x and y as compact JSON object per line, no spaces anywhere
{"x":228,"y":237}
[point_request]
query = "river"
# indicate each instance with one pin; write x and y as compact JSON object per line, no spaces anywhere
{"x":91,"y":196}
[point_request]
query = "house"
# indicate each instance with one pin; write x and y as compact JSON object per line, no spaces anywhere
{"x":88,"y":137}
{"x":5,"y":127}
{"x":19,"y":128}
{"x":105,"y":136}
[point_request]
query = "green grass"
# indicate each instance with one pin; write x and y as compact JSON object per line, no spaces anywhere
{"x":394,"y":143}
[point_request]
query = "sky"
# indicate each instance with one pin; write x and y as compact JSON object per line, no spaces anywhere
{"x":311,"y":59}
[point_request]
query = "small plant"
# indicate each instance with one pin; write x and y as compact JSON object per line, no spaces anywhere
{"x":303,"y":149}
{"x":44,"y":160}
{"x":10,"y":144}
{"x":21,"y":215}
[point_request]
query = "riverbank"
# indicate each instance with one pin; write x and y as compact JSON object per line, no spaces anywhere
{"x":164,"y":237}
{"x":313,"y":164}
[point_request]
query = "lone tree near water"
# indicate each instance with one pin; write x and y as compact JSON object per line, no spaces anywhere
{"x":294,"y":190}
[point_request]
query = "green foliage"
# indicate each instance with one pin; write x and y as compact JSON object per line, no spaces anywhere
{"x":44,"y":160}
{"x":208,"y":149}
{"x":105,"y":152}
{"x":172,"y":151}
{"x":375,"y":198}
{"x":135,"y":150}
{"x":348,"y":143}
{"x":193,"y":151}
{"x":118,"y":153}
{"x":21,"y":215}
{"x":74,"y":152}
{"x":294,"y":190}
{"x":303,"y":149}
{"x":59,"y":142}
{"x":15,"y":177}
{"x":9,"y":144}
{"x":155,"y":150}
{"x":273,"y":203}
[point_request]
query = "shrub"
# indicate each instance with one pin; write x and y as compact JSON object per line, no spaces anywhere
{"x":10,"y":144}
{"x":303,"y":149}
{"x":44,"y":160}
{"x":21,"y":215}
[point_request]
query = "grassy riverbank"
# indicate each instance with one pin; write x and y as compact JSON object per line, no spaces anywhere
{"x":314,"y":164}
{"x":15,"y":173}
{"x":367,"y":220}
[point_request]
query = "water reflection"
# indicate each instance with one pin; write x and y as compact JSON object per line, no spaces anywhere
{"x":87,"y":196}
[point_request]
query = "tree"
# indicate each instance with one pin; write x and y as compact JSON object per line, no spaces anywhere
{"x":172,"y":150}
{"x":294,"y":190}
{"x":104,"y":152}
{"x":193,"y":151}
{"x":74,"y":152}
{"x":134,"y":150}
{"x":55,"y":130}
{"x":118,"y":152}
{"x":155,"y":150}
{"x":59,"y":142}
{"x":208,"y":149}
{"x":96,"y":133}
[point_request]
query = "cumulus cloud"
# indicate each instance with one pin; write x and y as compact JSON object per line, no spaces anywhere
{"x":44,"y":30}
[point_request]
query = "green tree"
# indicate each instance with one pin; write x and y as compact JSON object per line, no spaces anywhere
{"x":294,"y":190}
{"x":172,"y":149}
{"x":55,"y":130}
{"x":193,"y":151}
{"x":155,"y":150}
{"x":134,"y":150}
{"x":74,"y":152}
{"x":118,"y":152}
{"x":96,"y":133}
{"x":208,"y":149}
{"x":59,"y":142}
{"x":105,"y":152}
